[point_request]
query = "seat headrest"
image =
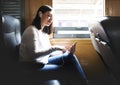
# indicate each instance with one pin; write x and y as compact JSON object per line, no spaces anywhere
{"x":10,"y":23}
{"x":111,"y":26}
{"x":109,"y":29}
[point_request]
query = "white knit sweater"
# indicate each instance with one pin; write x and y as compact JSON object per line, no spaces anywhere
{"x":34,"y":42}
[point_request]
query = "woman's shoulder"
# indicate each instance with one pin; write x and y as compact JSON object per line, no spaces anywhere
{"x":31,"y":27}
{"x":30,"y":30}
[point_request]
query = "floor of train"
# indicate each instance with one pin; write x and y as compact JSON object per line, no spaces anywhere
{"x":97,"y":73}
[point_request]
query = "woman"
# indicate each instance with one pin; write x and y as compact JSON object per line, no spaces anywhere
{"x":36,"y":46}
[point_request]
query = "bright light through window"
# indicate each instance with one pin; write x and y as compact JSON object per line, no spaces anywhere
{"x":75,"y":13}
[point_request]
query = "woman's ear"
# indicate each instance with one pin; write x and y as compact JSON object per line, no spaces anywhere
{"x":40,"y":14}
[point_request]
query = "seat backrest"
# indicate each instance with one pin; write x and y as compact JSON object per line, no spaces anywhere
{"x":105,"y":36}
{"x":111,"y":26}
{"x":10,"y":36}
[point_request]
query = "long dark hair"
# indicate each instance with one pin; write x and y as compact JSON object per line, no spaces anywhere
{"x":37,"y":20}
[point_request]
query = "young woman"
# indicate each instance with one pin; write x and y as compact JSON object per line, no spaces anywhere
{"x":36,"y":46}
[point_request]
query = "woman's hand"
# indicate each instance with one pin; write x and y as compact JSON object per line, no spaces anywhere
{"x":63,"y":50}
{"x":72,"y":48}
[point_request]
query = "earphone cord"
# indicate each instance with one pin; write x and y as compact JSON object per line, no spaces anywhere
{"x":63,"y":60}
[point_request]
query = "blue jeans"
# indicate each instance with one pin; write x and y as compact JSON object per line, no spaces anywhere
{"x":67,"y":66}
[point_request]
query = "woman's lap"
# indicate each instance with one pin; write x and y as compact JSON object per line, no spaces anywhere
{"x":64,"y":62}
{"x":66,"y":65}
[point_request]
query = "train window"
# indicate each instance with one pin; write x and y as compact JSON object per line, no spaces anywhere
{"x":71,"y":17}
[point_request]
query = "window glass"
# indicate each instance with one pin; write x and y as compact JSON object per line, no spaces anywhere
{"x":71,"y":17}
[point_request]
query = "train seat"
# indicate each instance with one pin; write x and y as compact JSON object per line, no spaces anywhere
{"x":105,"y":36}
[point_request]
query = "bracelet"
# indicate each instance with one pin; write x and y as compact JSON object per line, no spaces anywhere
{"x":53,"y":49}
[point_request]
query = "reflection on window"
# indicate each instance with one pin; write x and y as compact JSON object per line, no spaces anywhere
{"x":71,"y":17}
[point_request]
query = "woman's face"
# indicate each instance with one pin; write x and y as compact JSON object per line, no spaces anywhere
{"x":46,"y":18}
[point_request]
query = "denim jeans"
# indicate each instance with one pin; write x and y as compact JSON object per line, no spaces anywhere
{"x":67,"y":66}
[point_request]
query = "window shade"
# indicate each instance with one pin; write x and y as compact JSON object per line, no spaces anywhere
{"x":14,"y":8}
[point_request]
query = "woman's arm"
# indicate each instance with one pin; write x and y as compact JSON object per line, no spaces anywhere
{"x":60,"y":48}
{"x":39,"y":47}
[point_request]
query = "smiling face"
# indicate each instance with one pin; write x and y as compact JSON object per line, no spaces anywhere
{"x":46,"y":18}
